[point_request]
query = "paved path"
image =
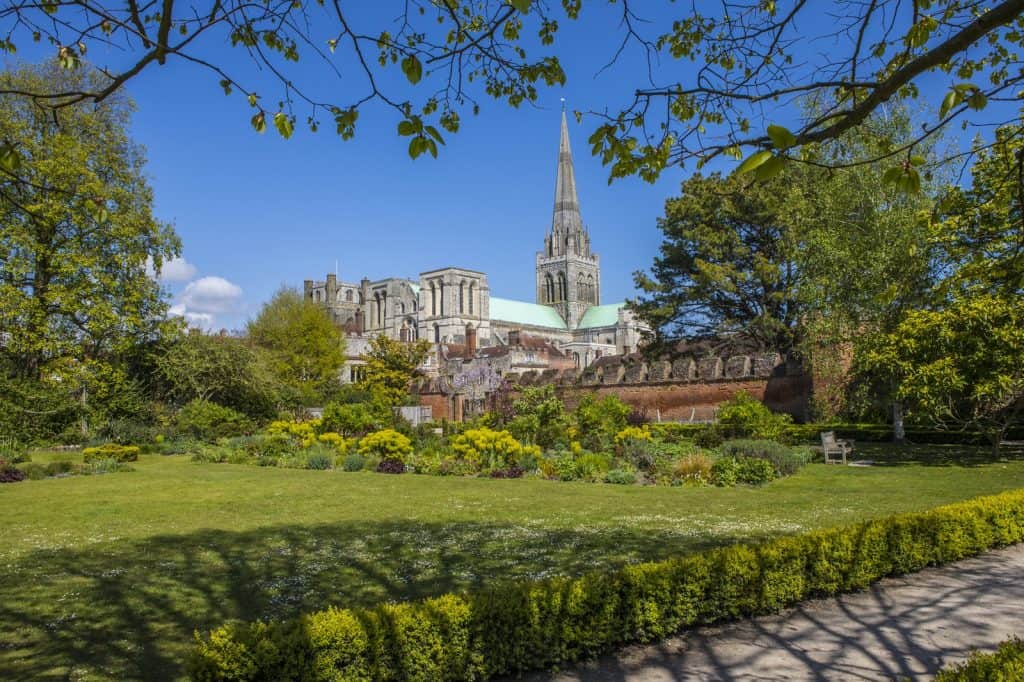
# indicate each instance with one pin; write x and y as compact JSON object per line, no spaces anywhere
{"x":900,"y":628}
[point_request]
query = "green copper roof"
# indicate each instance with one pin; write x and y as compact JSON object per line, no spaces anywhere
{"x":521,"y":312}
{"x":602,"y":315}
{"x":415,"y":288}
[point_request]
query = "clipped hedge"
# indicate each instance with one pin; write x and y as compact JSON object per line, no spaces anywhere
{"x":1006,"y":664}
{"x":520,"y":626}
{"x":118,"y":453}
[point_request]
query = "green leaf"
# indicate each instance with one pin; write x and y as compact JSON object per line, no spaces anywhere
{"x":753,"y":161}
{"x":432,"y":131}
{"x":951,"y":99}
{"x":412,"y":68}
{"x":770,"y":168}
{"x":977,"y":101}
{"x":283,"y":123}
{"x":892,"y":175}
{"x":781,"y":137}
{"x":521,"y":5}
{"x":917,"y":160}
{"x":406,"y":128}
{"x":259,"y":122}
{"x":10,"y":159}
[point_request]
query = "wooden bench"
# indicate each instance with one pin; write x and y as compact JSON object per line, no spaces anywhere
{"x":835,"y":450}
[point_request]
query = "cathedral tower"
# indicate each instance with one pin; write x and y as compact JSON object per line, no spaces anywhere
{"x":568,"y":274}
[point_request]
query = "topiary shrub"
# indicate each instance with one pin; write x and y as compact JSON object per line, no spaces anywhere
{"x":353,"y":462}
{"x":210,"y":421}
{"x":118,"y":453}
{"x":387,"y":444}
{"x":620,"y":477}
{"x":744,"y":416}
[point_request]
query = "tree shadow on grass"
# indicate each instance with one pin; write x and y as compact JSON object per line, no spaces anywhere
{"x":127,"y":610}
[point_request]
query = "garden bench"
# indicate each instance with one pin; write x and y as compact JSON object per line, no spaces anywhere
{"x":835,"y":449}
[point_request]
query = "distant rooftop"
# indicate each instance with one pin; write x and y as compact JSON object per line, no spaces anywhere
{"x":602,"y":315}
{"x":521,"y":312}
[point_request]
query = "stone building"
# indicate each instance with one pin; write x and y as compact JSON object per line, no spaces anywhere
{"x":454,"y":309}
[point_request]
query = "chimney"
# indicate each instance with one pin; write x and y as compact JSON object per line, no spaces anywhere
{"x":513,"y":337}
{"x":470,"y":340}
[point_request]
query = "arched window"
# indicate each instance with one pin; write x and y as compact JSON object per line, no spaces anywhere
{"x":563,"y":288}
{"x":472,"y":293}
{"x":591,"y":289}
{"x":576,"y":357}
{"x":376,"y":310}
{"x":437,"y":333}
{"x":462,"y":297}
{"x":442,"y":298}
{"x":433,"y":299}
{"x":581,"y":288}
{"x":549,"y":289}
{"x":348,"y":295}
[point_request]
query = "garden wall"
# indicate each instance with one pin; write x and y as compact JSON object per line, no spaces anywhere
{"x":685,"y":389}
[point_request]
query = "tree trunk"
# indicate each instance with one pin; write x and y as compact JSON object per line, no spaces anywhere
{"x":84,"y":402}
{"x":899,"y":433}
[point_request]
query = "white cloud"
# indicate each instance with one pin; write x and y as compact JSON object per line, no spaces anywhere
{"x":206,"y":298}
{"x":177,"y":270}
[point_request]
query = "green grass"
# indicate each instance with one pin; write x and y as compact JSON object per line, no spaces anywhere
{"x":108,"y":576}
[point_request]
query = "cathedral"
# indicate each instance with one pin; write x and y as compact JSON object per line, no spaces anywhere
{"x":566,"y":326}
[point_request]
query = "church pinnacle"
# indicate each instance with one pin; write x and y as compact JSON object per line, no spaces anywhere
{"x":567,"y":232}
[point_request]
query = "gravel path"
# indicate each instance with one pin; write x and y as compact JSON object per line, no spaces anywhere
{"x":901,"y":628}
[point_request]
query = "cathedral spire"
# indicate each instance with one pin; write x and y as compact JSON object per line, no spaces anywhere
{"x":566,"y":222}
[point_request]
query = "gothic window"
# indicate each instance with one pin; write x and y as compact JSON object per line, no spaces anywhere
{"x":433,"y":299}
{"x":348,"y":295}
{"x":462,"y":297}
{"x":581,"y":288}
{"x":576,"y":357}
{"x":591,"y":289}
{"x":563,"y":288}
{"x":549,"y":289}
{"x":442,"y":299}
{"x":437,"y":333}
{"x":472,"y":293}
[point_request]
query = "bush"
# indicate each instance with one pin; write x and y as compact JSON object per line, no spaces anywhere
{"x":708,"y":436}
{"x":10,"y":474}
{"x":59,"y":468}
{"x":620,"y":477}
{"x":354,"y":462}
{"x":511,"y":472}
{"x":747,"y":417}
{"x":353,"y":419}
{"x":785,"y":460}
{"x":104,"y":466}
{"x":210,"y":421}
{"x":118,"y":453}
{"x":320,"y":459}
{"x":753,"y":471}
{"x":598,"y":421}
{"x":724,"y":472}
{"x":485,"y":448}
{"x":694,"y":469}
{"x":592,"y":466}
{"x":387,"y":444}
{"x":639,"y":453}
{"x":515,"y":627}
{"x":390,"y":466}
{"x":178,"y":446}
{"x":34,"y":471}
{"x":1005,"y":664}
{"x":13,"y":452}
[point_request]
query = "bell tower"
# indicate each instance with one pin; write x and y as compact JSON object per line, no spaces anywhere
{"x":568,"y":273}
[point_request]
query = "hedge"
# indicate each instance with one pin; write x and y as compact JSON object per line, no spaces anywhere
{"x":520,"y":626}
{"x":1005,"y":664}
{"x":119,"y":453}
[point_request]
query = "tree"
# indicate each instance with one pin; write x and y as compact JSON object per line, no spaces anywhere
{"x":983,"y":225}
{"x":390,"y":366}
{"x":728,"y":264}
{"x":76,"y":234}
{"x":743,"y":63}
{"x":960,"y":366}
{"x":219,"y":369}
{"x":306,"y":350}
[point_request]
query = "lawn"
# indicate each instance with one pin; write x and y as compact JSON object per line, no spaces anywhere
{"x":108,"y":576}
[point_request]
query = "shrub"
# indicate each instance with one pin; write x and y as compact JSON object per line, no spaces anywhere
{"x":34,"y":471}
{"x":354,"y":462}
{"x":390,"y":466}
{"x":59,"y":468}
{"x":319,"y":461}
{"x":510,"y":628}
{"x":511,"y":472}
{"x":592,"y":466}
{"x":1007,"y":663}
{"x":639,"y":453}
{"x":10,"y":473}
{"x":747,"y":417}
{"x":485,"y":448}
{"x":13,"y":452}
{"x":178,"y":446}
{"x":387,"y":444}
{"x":754,"y":471}
{"x":118,"y":453}
{"x":128,"y":431}
{"x":631,"y":433}
{"x":694,"y":469}
{"x":620,"y":477}
{"x":598,"y":421}
{"x":353,"y":419}
{"x":708,"y":436}
{"x":210,"y":421}
{"x":104,"y":466}
{"x":785,"y":460}
{"x":724,"y":472}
